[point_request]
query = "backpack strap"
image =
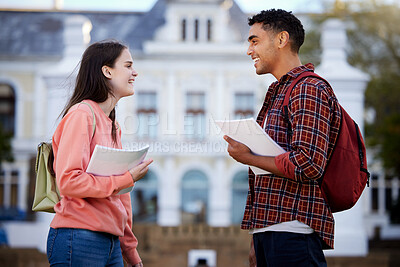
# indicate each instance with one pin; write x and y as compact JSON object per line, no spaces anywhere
{"x":289,"y":129}
{"x":94,"y":117}
{"x":361,"y":154}
{"x":287,"y":96}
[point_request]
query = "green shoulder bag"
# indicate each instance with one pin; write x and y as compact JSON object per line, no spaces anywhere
{"x":46,"y":191}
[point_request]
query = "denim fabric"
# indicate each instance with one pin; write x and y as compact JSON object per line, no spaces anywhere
{"x":283,"y":249}
{"x":80,"y":247}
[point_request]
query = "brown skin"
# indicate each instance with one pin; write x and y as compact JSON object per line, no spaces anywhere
{"x":241,"y":153}
{"x":271,"y":52}
{"x":252,"y":255}
{"x":121,"y":77}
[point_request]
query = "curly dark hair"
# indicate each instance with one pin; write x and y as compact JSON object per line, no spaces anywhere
{"x":280,"y":20}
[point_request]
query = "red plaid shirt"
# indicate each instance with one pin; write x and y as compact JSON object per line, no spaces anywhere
{"x":314,"y":114}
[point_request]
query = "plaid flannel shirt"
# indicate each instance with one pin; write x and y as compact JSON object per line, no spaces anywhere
{"x":315,"y":115}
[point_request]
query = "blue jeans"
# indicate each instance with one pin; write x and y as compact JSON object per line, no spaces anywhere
{"x":80,"y":247}
{"x":282,"y":249}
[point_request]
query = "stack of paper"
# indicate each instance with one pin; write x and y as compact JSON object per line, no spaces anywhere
{"x":250,"y":133}
{"x":107,"y":161}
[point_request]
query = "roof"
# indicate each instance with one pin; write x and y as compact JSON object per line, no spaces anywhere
{"x":39,"y":34}
{"x":36,"y":34}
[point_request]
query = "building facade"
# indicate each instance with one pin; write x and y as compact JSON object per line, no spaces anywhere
{"x":193,"y":70}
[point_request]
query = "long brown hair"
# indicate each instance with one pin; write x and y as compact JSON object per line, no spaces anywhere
{"x":91,"y":83}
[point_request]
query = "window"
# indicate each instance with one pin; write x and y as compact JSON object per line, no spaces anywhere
{"x":195,"y":121}
{"x":147,"y":114}
{"x":374,"y":192}
{"x":196,"y":29}
{"x":194,"y":197}
{"x":183,"y":30}
{"x":7,"y":109}
{"x":239,"y":195}
{"x":244,"y":105}
{"x":9,"y":177}
{"x":144,"y":199}
{"x":209,"y":30}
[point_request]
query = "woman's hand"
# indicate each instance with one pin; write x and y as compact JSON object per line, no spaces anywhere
{"x":139,"y":172}
{"x":140,"y":264}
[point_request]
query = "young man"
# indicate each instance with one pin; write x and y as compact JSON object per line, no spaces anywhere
{"x":285,"y":210}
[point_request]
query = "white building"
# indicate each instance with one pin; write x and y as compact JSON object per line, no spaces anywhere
{"x":193,"y":69}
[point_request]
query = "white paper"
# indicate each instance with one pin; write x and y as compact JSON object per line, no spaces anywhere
{"x":107,"y":161}
{"x":250,"y":133}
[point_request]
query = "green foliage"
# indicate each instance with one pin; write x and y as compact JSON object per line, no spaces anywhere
{"x":390,"y":147}
{"x":375,"y":43}
{"x":375,"y":39}
{"x":383,"y":95}
{"x":310,"y":51}
{"x":374,"y":46}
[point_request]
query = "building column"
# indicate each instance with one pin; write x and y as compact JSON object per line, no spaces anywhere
{"x":23,"y":181}
{"x":220,"y":197}
{"x":190,"y":29}
{"x":169,"y":195}
{"x":169,"y":130}
{"x":348,"y":83}
{"x":39,"y":108}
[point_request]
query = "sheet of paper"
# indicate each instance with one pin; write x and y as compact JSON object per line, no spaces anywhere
{"x":106,"y":161}
{"x":250,"y":133}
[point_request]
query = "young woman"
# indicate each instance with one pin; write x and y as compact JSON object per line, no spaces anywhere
{"x":92,"y":225}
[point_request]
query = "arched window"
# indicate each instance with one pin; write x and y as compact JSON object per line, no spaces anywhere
{"x":239,"y":195}
{"x":9,"y":177}
{"x":194,"y":197}
{"x":7,"y":109}
{"x":144,"y":199}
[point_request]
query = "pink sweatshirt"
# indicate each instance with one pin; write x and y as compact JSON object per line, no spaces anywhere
{"x":89,"y":201}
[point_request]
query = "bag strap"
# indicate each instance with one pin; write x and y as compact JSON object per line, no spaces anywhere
{"x":94,"y":117}
{"x":287,"y":96}
{"x":289,"y":129}
{"x":361,"y":153}
{"x":47,"y":145}
{"x":40,"y":147}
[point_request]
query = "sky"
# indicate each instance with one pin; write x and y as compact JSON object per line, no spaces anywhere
{"x":144,"y":5}
{"x":249,"y":6}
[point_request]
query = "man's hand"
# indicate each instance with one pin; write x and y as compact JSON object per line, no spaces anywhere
{"x":252,"y":255}
{"x":237,"y":150}
{"x":241,"y":153}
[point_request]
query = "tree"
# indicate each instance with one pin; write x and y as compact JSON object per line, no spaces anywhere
{"x":376,"y":49}
{"x":374,"y":38}
{"x":383,"y":96}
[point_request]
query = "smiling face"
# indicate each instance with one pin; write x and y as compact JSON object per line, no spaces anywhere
{"x":262,"y":49}
{"x":122,"y":75}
